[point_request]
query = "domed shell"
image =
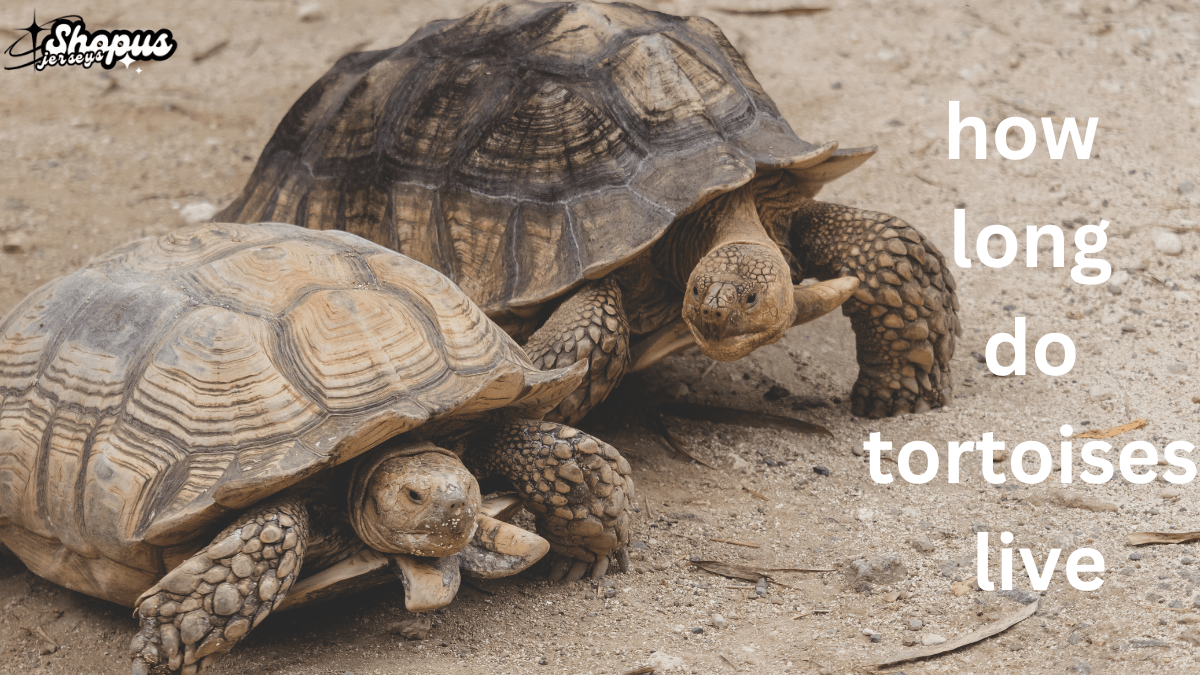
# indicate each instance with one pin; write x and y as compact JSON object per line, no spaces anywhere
{"x":147,"y":395}
{"x":527,"y":147}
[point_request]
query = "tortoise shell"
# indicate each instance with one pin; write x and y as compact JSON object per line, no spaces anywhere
{"x":148,"y":395}
{"x":527,"y":147}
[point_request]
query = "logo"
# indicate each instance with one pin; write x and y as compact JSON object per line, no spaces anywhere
{"x":68,"y":42}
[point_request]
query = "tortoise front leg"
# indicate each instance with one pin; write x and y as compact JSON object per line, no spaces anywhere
{"x":591,"y":324}
{"x":203,"y":607}
{"x":579,"y":488}
{"x":904,"y":312}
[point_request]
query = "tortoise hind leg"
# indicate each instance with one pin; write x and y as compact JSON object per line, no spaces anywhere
{"x":203,"y":607}
{"x":591,"y":324}
{"x":904,"y":312}
{"x":578,"y":487}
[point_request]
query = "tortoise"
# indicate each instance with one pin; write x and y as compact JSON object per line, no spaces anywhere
{"x":609,"y":183}
{"x":191,"y":424}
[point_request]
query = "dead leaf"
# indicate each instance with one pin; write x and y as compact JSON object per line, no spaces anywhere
{"x":746,"y":418}
{"x":676,"y":443}
{"x":211,"y":51}
{"x":746,"y":572}
{"x":760,"y":496}
{"x":1113,"y":431}
{"x":783,"y":11}
{"x":970,"y":638}
{"x":1139,"y":538}
{"x":735,"y":543}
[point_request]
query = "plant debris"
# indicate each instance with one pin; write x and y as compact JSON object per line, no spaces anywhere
{"x":970,"y":638}
{"x":1113,"y":431}
{"x":1139,"y":538}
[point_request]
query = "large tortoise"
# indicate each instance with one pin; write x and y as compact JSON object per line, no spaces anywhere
{"x":245,"y":405}
{"x":588,"y":173}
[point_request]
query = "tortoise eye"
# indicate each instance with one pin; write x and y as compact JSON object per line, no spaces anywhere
{"x":696,"y":290}
{"x":414,"y":496}
{"x":752,"y":298}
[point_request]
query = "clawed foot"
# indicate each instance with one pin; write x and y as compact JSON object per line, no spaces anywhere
{"x":202,"y":608}
{"x":566,"y":568}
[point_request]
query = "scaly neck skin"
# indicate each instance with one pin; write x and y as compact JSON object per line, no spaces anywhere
{"x":726,"y":219}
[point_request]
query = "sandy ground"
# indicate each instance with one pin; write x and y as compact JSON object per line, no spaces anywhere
{"x":94,"y":158}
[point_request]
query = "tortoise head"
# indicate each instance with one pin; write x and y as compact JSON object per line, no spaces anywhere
{"x":739,"y":298}
{"x":417,"y":499}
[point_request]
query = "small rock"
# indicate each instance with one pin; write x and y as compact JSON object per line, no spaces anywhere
{"x":960,"y":588}
{"x":1191,"y":637}
{"x":876,"y":638}
{"x":739,"y":464}
{"x":891,"y":597}
{"x":1177,"y":368}
{"x":1075,"y":638}
{"x":1196,"y":399}
{"x":198,"y":212}
{"x":1015,"y":646}
{"x":1187,"y":560}
{"x":1170,"y":493}
{"x":416,"y":628}
{"x":776,"y":393}
{"x":1100,"y":393}
{"x":610,"y":593}
{"x":1168,"y":242}
{"x":909,"y":640}
{"x":875,"y":569}
{"x":910,"y":512}
{"x":864,"y":515}
{"x":930,"y":639}
{"x":661,"y":662}
{"x":719,"y":621}
{"x":1080,"y":667}
{"x":1023,"y":597}
{"x":47,"y":648}
{"x":678,"y":390}
{"x":915,"y":624}
{"x":1119,"y":278}
{"x":1137,"y":556}
{"x":923,"y":544}
{"x":310,"y":11}
{"x":1185,"y":187}
{"x":821,"y":470}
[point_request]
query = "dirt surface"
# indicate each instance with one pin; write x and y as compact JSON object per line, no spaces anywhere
{"x":94,"y":158}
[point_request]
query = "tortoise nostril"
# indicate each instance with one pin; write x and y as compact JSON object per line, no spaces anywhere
{"x":696,"y":290}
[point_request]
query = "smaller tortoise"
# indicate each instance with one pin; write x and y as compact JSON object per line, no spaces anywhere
{"x":233,"y":419}
{"x":613,"y":184}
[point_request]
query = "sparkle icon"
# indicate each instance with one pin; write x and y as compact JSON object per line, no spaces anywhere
{"x":126,"y":61}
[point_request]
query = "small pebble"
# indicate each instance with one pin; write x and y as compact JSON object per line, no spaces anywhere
{"x":1100,"y":393}
{"x":697,"y":630}
{"x":1168,"y":242}
{"x":821,"y":470}
{"x":930,"y":639}
{"x":1135,"y":556}
{"x":198,"y":212}
{"x":719,"y":621}
{"x":915,"y":624}
{"x":1185,"y":187}
{"x":1170,"y":493}
{"x":1177,"y":368}
{"x":876,"y":638}
{"x":310,"y":11}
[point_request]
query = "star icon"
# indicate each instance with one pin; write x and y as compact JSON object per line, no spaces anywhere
{"x":126,"y":61}
{"x":139,"y":70}
{"x":33,"y":30}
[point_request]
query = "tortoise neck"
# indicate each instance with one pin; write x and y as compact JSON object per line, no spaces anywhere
{"x":730,"y":218}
